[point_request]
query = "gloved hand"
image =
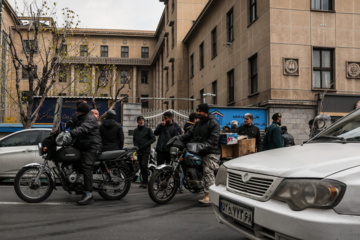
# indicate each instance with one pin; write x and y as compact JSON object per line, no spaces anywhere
{"x":172,"y":140}
{"x":67,"y":138}
{"x":63,"y":138}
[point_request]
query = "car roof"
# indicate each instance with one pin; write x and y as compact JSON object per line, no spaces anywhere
{"x":26,"y":130}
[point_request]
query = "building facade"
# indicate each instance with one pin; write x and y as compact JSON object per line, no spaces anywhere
{"x":290,"y":56}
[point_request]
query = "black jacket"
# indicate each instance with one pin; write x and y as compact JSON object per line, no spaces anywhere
{"x":251,"y":132}
{"x":143,"y":138}
{"x":87,"y":134}
{"x":188,"y":125}
{"x":165,"y":133}
{"x":288,"y":139}
{"x":112,"y":135}
{"x":207,"y":132}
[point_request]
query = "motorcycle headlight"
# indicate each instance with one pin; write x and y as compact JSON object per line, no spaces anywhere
{"x":221,"y":176}
{"x":174,"y":151}
{"x":300,"y":194}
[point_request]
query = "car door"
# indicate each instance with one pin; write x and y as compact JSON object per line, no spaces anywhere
{"x":18,"y":150}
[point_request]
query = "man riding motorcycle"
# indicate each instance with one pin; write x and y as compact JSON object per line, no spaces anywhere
{"x":88,"y":141}
{"x":206,"y":133}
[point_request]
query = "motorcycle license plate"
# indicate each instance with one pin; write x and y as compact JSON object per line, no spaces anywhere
{"x":242,"y":213}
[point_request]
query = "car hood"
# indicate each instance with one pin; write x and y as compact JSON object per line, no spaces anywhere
{"x":312,"y":160}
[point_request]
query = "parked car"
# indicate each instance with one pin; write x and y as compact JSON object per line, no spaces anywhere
{"x":19,"y":149}
{"x":303,"y":192}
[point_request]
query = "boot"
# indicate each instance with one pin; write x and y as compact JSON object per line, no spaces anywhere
{"x":205,"y":200}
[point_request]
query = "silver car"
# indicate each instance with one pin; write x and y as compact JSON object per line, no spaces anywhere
{"x":19,"y":149}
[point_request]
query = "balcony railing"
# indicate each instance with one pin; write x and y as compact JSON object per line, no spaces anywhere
{"x":109,"y":61}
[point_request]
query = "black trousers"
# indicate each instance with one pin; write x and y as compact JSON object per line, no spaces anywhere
{"x":87,"y":165}
{"x":163,"y":157}
{"x":143,"y":162}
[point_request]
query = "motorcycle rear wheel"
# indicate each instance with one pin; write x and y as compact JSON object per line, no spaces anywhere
{"x":163,"y":186}
{"x":30,"y":190}
{"x":118,"y":187}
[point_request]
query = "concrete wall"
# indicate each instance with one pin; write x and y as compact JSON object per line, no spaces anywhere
{"x":130,"y":113}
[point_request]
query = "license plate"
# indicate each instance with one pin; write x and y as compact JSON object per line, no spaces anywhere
{"x":241,"y":213}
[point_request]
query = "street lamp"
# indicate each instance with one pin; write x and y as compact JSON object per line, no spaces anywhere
{"x":206,"y":95}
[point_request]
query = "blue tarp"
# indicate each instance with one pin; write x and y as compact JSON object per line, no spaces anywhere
{"x":224,"y":115}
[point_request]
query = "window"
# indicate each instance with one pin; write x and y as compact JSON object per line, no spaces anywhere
{"x":213,"y":43}
{"x":253,"y":74}
{"x":104,"y":51}
{"x":104,"y":95}
{"x":22,"y":139}
{"x":323,"y":68}
{"x":167,"y":80}
{"x":202,"y":95}
{"x":144,"y":77}
{"x":230,"y":26}
{"x":323,"y":5}
{"x":230,"y":76}
{"x":124,"y":51}
{"x":84,"y":75}
{"x":25,"y":72}
{"x":83,"y":50}
{"x":144,"y":102}
{"x":214,"y":91}
{"x":167,"y":12}
{"x":24,"y":96}
{"x":192,"y":103}
{"x":172,"y":5}
{"x":31,"y":45}
{"x":62,"y":75}
{"x":124,"y":76}
{"x":201,"y":49}
{"x":103,"y":81}
{"x":252,"y":11}
{"x":63,"y":50}
{"x":167,"y":46}
{"x":125,"y":96}
{"x":172,"y":103}
{"x":192,"y":66}
{"x":172,"y":37}
{"x":144,"y":52}
{"x":172,"y":74}
{"x":62,"y":94}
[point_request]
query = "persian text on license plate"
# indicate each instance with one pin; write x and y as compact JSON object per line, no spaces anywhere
{"x":240,"y":213}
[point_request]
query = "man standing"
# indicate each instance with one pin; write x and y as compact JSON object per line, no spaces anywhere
{"x":249,"y":129}
{"x":111,"y":133}
{"x":143,"y":138}
{"x":88,"y":141}
{"x":206,"y":132}
{"x":287,"y":137}
{"x":273,"y":138}
{"x":166,"y":130}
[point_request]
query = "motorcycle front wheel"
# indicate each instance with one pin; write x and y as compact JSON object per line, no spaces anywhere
{"x":31,"y":190}
{"x":163,"y":186}
{"x":118,"y":186}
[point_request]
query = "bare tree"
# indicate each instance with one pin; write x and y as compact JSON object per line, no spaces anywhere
{"x":38,"y":50}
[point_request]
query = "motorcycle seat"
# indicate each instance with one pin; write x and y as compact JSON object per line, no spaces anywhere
{"x":108,"y":155}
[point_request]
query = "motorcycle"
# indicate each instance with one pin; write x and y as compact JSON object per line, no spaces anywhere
{"x":111,"y":174}
{"x":152,"y":164}
{"x":165,"y":181}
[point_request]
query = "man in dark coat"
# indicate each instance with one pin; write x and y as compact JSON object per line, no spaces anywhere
{"x":73,"y":122}
{"x":249,"y":129}
{"x":143,"y":138}
{"x":273,"y":138}
{"x":166,"y":130}
{"x":206,"y":133}
{"x":287,"y":137}
{"x":234,"y":127}
{"x":88,"y":141}
{"x":111,"y":133}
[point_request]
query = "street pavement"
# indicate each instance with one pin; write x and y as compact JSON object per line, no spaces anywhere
{"x":136,"y":216}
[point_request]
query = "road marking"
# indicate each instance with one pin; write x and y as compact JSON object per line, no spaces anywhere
{"x":45,"y":203}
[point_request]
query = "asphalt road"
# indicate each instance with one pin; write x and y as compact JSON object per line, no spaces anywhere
{"x":133,"y":217}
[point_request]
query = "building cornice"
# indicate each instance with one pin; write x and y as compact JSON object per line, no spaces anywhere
{"x":109,"y":61}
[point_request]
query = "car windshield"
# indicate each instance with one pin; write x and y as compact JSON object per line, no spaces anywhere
{"x":346,"y":129}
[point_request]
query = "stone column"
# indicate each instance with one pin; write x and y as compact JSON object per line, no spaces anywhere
{"x":113,"y":83}
{"x":134,"y":80}
{"x":72,"y":79}
{"x":93,"y":83}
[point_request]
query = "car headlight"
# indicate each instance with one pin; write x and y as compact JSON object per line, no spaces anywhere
{"x":310,"y":193}
{"x":221,"y":176}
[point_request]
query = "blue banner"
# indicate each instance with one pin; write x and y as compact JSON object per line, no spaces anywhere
{"x":225,"y":115}
{"x":46,"y":113}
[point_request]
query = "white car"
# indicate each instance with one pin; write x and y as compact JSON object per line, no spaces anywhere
{"x":302,"y":192}
{"x":19,"y":149}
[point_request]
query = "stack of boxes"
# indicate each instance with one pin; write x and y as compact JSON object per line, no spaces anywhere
{"x":234,"y":145}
